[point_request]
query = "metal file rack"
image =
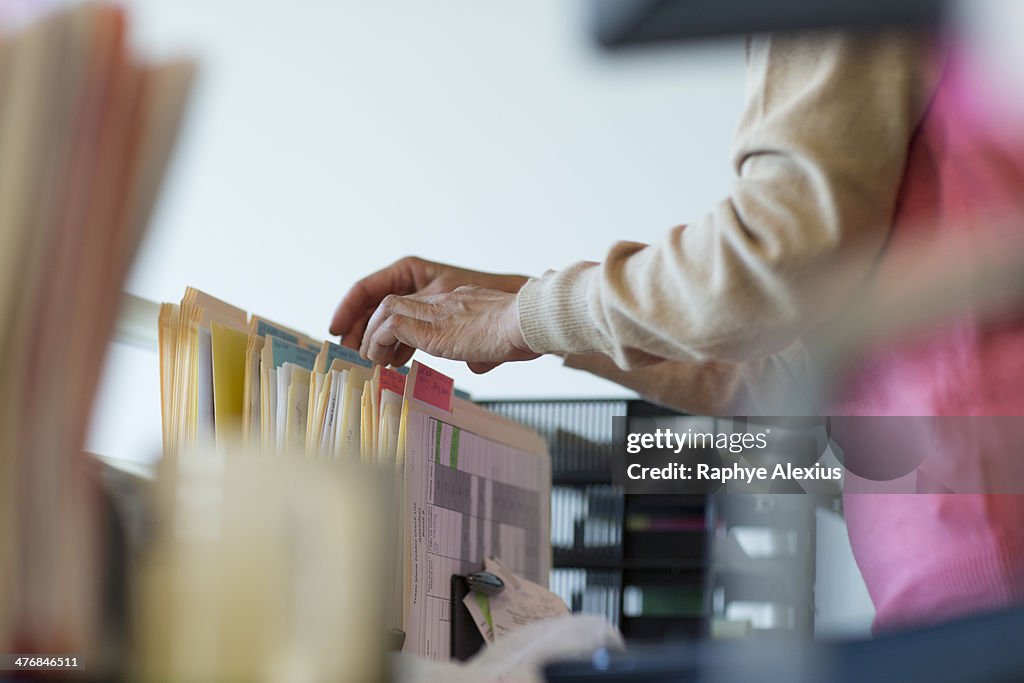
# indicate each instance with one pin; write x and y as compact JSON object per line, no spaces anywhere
{"x":640,"y":561}
{"x":667,"y":566}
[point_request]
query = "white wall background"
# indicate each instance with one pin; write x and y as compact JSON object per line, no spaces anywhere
{"x":328,"y":138}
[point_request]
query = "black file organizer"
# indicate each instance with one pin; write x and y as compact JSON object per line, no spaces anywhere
{"x":602,"y":560}
{"x":465,"y":636}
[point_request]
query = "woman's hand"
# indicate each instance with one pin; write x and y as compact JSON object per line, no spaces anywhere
{"x":472,"y":324}
{"x":406,"y":276}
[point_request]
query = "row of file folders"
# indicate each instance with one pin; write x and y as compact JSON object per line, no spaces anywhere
{"x":482,"y":481}
{"x":226,"y":376}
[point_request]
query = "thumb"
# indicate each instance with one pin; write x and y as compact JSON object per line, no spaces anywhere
{"x":481,"y":368}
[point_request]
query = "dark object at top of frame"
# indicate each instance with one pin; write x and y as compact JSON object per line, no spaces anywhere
{"x":617,"y":23}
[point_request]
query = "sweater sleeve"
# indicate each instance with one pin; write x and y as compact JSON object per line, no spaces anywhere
{"x":819,"y":155}
{"x":780,"y":384}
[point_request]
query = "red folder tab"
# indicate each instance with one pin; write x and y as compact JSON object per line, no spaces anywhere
{"x":392,"y":381}
{"x":433,"y":387}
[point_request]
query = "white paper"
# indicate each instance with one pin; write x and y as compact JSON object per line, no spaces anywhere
{"x":338,"y":380}
{"x":522,"y":602}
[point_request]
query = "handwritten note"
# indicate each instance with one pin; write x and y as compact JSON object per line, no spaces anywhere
{"x":391,"y":381}
{"x":269,"y":329}
{"x":522,"y":602}
{"x":286,"y":352}
{"x":346,"y":354}
{"x":433,"y":387}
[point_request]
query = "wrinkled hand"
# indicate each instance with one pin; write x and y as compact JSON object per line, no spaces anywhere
{"x":472,"y":324}
{"x":406,"y":276}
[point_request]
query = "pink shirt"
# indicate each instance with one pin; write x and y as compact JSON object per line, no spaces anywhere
{"x":928,"y":558}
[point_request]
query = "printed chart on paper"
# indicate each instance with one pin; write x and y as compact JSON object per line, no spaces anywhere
{"x":467,"y":498}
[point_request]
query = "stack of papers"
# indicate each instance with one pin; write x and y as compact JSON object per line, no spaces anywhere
{"x":226,"y":377}
{"x":471,"y":484}
{"x":85,"y":133}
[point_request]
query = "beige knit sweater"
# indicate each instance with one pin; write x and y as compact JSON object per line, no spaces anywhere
{"x":693,"y":321}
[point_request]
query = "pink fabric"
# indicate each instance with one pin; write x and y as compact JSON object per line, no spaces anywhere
{"x":928,"y":558}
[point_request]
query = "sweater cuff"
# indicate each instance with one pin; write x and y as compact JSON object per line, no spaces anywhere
{"x":554,"y":313}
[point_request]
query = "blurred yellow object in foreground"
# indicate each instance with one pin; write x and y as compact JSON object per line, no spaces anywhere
{"x":265,"y":568}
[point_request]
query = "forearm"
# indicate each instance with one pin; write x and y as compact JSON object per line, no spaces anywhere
{"x":699,"y":389}
{"x":778,"y":385}
{"x":820,"y":155}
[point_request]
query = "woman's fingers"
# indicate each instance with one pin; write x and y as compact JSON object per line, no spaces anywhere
{"x":353,"y":338}
{"x":391,"y":306}
{"x":481,"y":368}
{"x":396,"y":332}
{"x":362,"y":297}
{"x":403,"y":354}
{"x":472,"y":324}
{"x":401,"y":277}
{"x":357,"y":316}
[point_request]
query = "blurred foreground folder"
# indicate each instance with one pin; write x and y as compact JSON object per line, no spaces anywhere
{"x":265,"y":568}
{"x":86,"y":130}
